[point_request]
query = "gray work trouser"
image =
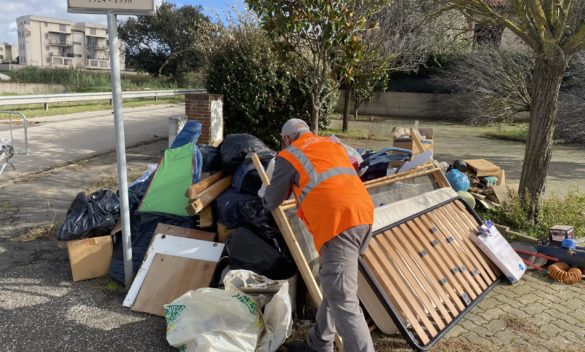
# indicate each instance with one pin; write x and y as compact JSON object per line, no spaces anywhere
{"x":340,"y":310}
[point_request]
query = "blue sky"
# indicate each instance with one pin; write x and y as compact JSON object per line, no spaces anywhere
{"x":10,"y":10}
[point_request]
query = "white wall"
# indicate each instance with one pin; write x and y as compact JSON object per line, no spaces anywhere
{"x":399,"y":104}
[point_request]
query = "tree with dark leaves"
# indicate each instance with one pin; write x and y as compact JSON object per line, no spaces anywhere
{"x":166,"y":44}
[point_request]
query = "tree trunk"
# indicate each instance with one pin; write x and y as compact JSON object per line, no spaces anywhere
{"x":346,"y":100}
{"x":315,"y":120}
{"x":315,"y":106}
{"x":548,"y":73}
{"x":355,"y":110}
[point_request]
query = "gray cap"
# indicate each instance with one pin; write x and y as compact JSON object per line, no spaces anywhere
{"x":293,"y":126}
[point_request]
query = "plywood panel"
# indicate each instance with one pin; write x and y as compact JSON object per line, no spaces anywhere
{"x":170,"y":277}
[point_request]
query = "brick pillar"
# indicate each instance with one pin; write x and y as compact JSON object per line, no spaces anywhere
{"x":208,"y":110}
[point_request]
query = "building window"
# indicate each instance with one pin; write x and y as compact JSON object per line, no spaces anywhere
{"x":62,"y":28}
{"x":92,"y":31}
{"x":46,"y":24}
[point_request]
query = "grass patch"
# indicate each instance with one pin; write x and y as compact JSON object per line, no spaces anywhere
{"x":523,"y":326}
{"x":112,"y":286}
{"x":87,"y":81}
{"x":109,"y":182}
{"x":517,"y":132}
{"x":56,"y":109}
{"x":554,"y":210}
{"x":48,"y":231}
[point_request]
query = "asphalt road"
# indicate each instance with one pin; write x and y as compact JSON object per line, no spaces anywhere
{"x":59,"y":140}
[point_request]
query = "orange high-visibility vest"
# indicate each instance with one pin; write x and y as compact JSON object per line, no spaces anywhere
{"x":331,"y":198}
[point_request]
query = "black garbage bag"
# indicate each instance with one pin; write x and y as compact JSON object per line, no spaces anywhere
{"x":252,"y":252}
{"x":90,"y":216}
{"x":234,"y":149}
{"x":142,"y":226}
{"x":228,"y":206}
{"x":211,"y":158}
{"x":246,"y":179}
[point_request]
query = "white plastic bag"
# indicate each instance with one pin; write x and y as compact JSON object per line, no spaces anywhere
{"x":274,"y":297}
{"x":213,"y":320}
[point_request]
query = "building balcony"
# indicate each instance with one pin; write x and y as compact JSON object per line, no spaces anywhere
{"x":58,"y":42}
{"x":98,"y":63}
{"x":61,"y":61}
{"x":97,"y":47}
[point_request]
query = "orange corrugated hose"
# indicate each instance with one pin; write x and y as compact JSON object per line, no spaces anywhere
{"x":562,"y":273}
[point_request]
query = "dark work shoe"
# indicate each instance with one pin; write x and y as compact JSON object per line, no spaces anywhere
{"x":298,"y":346}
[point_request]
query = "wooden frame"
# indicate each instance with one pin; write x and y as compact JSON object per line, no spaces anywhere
{"x":292,"y":241}
{"x":428,"y":272}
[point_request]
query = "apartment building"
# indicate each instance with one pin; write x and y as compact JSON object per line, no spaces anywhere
{"x":8,"y":53}
{"x":49,"y":42}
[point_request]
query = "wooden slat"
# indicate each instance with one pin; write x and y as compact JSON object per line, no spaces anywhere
{"x":424,"y":263}
{"x":388,"y":279}
{"x":458,"y":245}
{"x":434,"y":301}
{"x":442,"y":258}
{"x":170,"y":277}
{"x":471,"y":230}
{"x":459,"y":254}
{"x":404,"y":286}
{"x":195,"y":190}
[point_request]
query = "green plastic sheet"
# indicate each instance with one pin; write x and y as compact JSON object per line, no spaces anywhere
{"x":166,"y":193}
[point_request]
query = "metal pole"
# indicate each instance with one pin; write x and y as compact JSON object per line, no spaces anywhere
{"x":120,"y":145}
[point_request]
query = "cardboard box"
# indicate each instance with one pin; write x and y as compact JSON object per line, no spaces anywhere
{"x":405,"y":141}
{"x":90,"y":258}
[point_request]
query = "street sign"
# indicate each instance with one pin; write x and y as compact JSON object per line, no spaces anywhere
{"x":119,"y":7}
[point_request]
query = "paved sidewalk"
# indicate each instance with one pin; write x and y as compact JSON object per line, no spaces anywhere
{"x":58,"y":140}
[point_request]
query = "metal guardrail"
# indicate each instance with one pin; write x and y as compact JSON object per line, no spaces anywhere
{"x":13,"y":100}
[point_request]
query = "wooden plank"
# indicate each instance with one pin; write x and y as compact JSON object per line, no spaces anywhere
{"x":414,"y":274}
{"x":209,"y":195}
{"x":223,"y":232}
{"x":164,"y":229}
{"x":168,"y":278}
{"x":195,"y":190}
{"x":389,"y":278}
{"x":206,"y":217}
{"x":417,"y":146}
